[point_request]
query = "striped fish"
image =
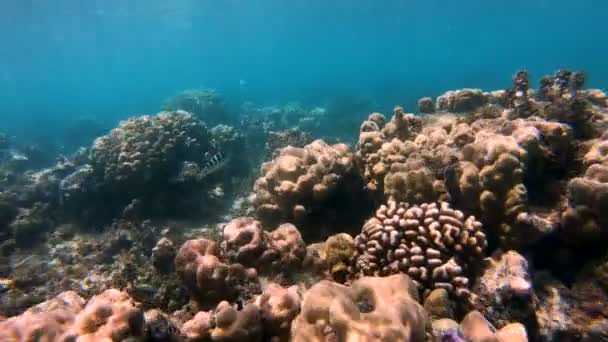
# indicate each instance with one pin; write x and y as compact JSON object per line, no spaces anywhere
{"x":213,"y":164}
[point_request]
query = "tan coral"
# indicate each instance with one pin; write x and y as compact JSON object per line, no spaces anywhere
{"x":206,"y":277}
{"x":109,"y":316}
{"x":476,"y":328}
{"x":284,"y":251}
{"x":278,"y":307}
{"x":432,"y":243}
{"x":300,"y":184}
{"x":243,"y":240}
{"x":279,"y":251}
{"x":224,"y":323}
{"x":584,"y":219}
{"x":46,"y":321}
{"x":463,"y":100}
{"x":371,"y":309}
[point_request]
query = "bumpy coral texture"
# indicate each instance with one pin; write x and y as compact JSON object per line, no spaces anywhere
{"x":463,"y":100}
{"x":300,"y":186}
{"x":206,"y":277}
{"x":46,"y":321}
{"x":476,"y":328}
{"x":371,"y":309}
{"x":225,"y":323}
{"x":278,"y":307}
{"x":109,"y":316}
{"x":386,"y":148}
{"x":148,"y":148}
{"x":206,"y":104}
{"x":585,"y":218}
{"x":281,"y":250}
{"x":484,"y":166}
{"x":505,"y":281}
{"x":433,"y":243}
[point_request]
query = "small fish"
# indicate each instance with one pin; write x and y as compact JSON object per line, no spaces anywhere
{"x":11,"y":154}
{"x":242,"y":84}
{"x":5,"y":284}
{"x":216,"y":162}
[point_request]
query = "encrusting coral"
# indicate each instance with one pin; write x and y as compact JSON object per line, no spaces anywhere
{"x":432,"y":243}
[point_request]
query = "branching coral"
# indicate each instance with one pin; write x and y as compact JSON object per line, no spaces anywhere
{"x":432,"y":243}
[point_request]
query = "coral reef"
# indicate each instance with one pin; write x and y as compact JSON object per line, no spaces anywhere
{"x":584,"y":219}
{"x":225,"y":323}
{"x":206,"y":104}
{"x":154,"y":234}
{"x":289,"y":137}
{"x":275,"y":252}
{"x":426,"y":105}
{"x":505,"y":281}
{"x":111,"y":315}
{"x":459,"y":101}
{"x":312,"y":187}
{"x":433,"y":243}
{"x":278,"y":306}
{"x":484,"y":166}
{"x":148,"y":149}
{"x":207,"y":278}
{"x":371,"y":309}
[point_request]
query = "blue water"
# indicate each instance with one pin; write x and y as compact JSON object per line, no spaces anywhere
{"x":62,"y":59}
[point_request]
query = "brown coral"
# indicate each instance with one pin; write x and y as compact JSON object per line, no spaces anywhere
{"x":225,"y":323}
{"x":505,"y":279}
{"x":432,"y":243}
{"x":207,"y":278}
{"x":111,"y":315}
{"x":278,"y":306}
{"x":585,"y":220}
{"x":463,"y":100}
{"x":278,"y":251}
{"x":46,"y":321}
{"x":371,"y":309}
{"x":311,"y":187}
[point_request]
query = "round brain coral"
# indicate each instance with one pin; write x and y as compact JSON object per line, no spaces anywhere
{"x":433,"y":243}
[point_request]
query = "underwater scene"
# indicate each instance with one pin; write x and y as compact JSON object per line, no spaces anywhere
{"x":307,"y":171}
